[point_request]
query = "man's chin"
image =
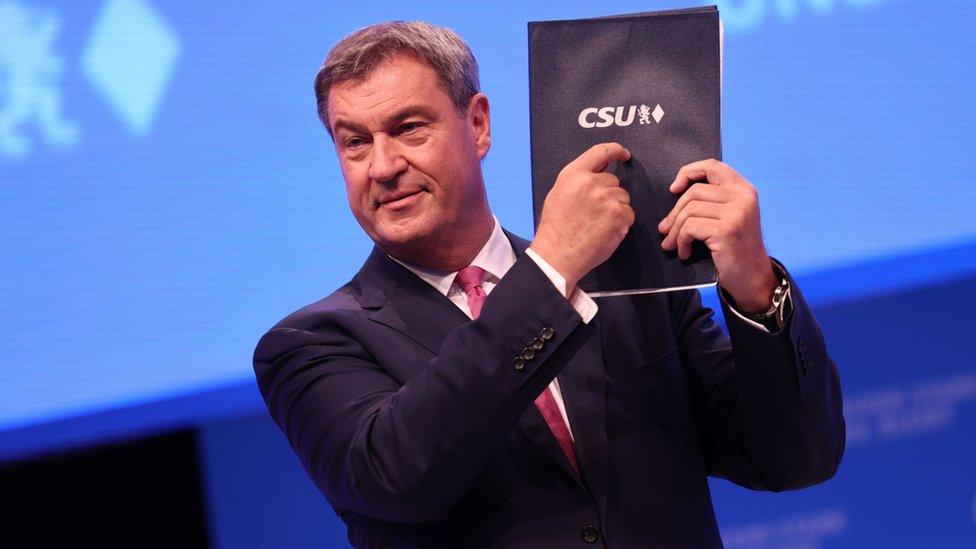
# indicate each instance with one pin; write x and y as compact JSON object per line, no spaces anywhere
{"x":406,"y":232}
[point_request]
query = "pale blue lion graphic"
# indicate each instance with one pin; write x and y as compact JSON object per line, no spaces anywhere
{"x":28,"y":89}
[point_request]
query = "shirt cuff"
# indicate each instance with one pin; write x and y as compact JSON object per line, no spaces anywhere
{"x":748,"y":321}
{"x":583,"y":303}
{"x":781,"y":272}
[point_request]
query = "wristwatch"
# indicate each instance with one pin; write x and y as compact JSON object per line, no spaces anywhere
{"x":775,"y":317}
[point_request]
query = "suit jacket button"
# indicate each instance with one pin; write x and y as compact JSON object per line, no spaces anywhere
{"x":547,"y":333}
{"x":537,"y":343}
{"x":519,"y":363}
{"x":590,"y":534}
{"x":528,"y":353}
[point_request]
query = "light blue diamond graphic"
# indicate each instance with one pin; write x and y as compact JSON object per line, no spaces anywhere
{"x":130,"y":57}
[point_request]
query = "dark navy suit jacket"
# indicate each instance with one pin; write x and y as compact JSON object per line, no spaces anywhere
{"x":419,"y":427}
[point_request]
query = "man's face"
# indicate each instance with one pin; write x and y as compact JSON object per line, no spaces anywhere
{"x":411,"y":163}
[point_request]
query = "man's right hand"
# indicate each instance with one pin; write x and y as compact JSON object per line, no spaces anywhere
{"x":586,"y":214}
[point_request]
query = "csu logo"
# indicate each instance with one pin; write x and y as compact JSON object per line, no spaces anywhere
{"x":602,"y":117}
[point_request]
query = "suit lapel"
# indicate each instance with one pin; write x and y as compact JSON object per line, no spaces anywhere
{"x":405,"y":303}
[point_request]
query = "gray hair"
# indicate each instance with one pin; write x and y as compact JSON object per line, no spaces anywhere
{"x":356,"y":55}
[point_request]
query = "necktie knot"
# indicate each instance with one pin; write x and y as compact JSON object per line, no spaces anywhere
{"x":470,"y":277}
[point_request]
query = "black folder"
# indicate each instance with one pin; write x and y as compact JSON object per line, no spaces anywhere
{"x":652,"y":82}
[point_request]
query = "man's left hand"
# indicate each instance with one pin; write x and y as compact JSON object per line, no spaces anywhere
{"x":721,"y":209}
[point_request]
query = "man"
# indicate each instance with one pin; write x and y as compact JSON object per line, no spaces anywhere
{"x":461,"y":391}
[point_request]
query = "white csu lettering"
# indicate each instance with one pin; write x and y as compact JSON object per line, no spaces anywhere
{"x":607,"y":116}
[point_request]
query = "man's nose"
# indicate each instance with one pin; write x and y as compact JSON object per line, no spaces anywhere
{"x":386,"y":160}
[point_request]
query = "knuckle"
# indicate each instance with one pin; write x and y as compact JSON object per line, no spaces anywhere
{"x":565,"y":172}
{"x":754,"y":210}
{"x":742,"y":194}
{"x":753,"y":193}
{"x":629,"y":215}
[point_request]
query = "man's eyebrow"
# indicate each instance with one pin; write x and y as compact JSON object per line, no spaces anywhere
{"x":349,"y":126}
{"x":407,"y":112}
{"x":389,"y":122}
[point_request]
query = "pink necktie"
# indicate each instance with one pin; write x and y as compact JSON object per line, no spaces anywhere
{"x":469,"y":278}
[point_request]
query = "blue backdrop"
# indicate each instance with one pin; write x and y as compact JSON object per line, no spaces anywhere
{"x":167,"y":193}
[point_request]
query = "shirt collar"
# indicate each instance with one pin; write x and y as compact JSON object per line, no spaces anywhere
{"x":496,"y":257}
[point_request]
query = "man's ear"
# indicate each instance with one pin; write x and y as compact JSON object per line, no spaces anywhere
{"x":479,"y":120}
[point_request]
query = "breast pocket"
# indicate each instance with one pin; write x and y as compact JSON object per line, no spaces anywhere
{"x":662,"y":371}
